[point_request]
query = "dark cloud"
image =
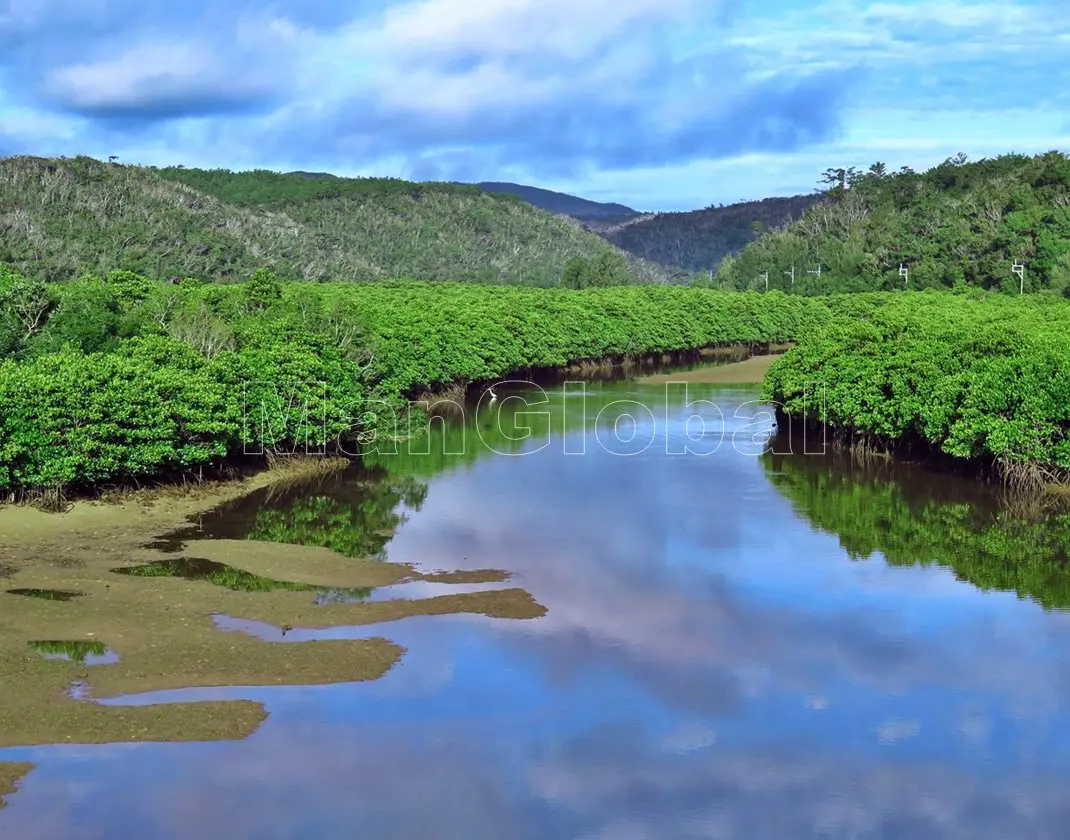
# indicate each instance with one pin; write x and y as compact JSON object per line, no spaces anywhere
{"x":166,"y":100}
{"x":139,"y":62}
{"x":780,"y":114}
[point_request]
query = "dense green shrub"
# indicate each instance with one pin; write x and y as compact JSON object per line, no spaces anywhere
{"x":122,"y":377}
{"x":71,"y":417}
{"x":128,"y":378}
{"x":975,"y":377}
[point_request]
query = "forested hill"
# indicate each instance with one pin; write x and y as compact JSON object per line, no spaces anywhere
{"x":698,"y":240}
{"x":62,"y":217}
{"x":556,"y":202}
{"x":957,"y":224}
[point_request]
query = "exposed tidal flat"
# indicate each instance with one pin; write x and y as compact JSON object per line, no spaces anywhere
{"x":91,"y":576}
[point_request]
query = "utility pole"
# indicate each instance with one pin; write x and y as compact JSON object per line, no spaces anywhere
{"x":792,"y":273}
{"x":904,"y":272}
{"x":765,"y":276}
{"x":1019,"y":269}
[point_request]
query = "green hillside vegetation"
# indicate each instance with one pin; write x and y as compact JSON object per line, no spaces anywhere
{"x":891,"y":511}
{"x":60,"y":218}
{"x":700,"y":240}
{"x":958,"y":224}
{"x":117,"y":377}
{"x":978,"y":377}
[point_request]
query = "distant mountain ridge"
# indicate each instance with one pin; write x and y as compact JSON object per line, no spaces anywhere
{"x":698,"y":240}
{"x":684,"y":242}
{"x":555,"y":202}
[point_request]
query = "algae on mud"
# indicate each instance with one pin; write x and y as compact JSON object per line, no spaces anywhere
{"x":162,"y":629}
{"x":220,"y":574}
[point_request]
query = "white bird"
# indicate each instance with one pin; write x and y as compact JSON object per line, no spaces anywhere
{"x":493,"y":396}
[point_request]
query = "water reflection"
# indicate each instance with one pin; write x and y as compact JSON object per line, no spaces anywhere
{"x":79,"y":652}
{"x":45,"y":594}
{"x":238,"y":580}
{"x":909,"y":516}
{"x":712,"y":663}
{"x":355,"y":516}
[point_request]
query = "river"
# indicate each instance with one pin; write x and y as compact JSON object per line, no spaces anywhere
{"x":736,"y":644}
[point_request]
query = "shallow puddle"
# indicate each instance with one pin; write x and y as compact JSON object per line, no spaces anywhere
{"x":228,"y":577}
{"x":406,"y":590}
{"x":46,"y":594}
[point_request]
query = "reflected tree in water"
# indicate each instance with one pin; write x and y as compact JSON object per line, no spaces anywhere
{"x":354,"y":513}
{"x":75,"y":651}
{"x":912,"y":517}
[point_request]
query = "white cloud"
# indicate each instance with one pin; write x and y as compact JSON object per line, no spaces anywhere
{"x":633,"y":93}
{"x":125,"y":78}
{"x":497,"y":29}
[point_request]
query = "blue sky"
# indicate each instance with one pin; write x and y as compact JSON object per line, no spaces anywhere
{"x":659,"y":104}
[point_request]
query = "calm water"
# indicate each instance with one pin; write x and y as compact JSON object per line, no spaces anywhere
{"x":737,"y":645}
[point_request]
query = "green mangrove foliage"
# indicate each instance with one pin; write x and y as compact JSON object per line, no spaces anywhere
{"x":894,"y":511}
{"x":978,"y":377}
{"x":117,"y":377}
{"x":959,"y":224}
{"x":426,"y":335}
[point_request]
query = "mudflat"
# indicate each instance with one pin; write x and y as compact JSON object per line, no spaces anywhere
{"x":747,"y":372}
{"x":96,"y":579}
